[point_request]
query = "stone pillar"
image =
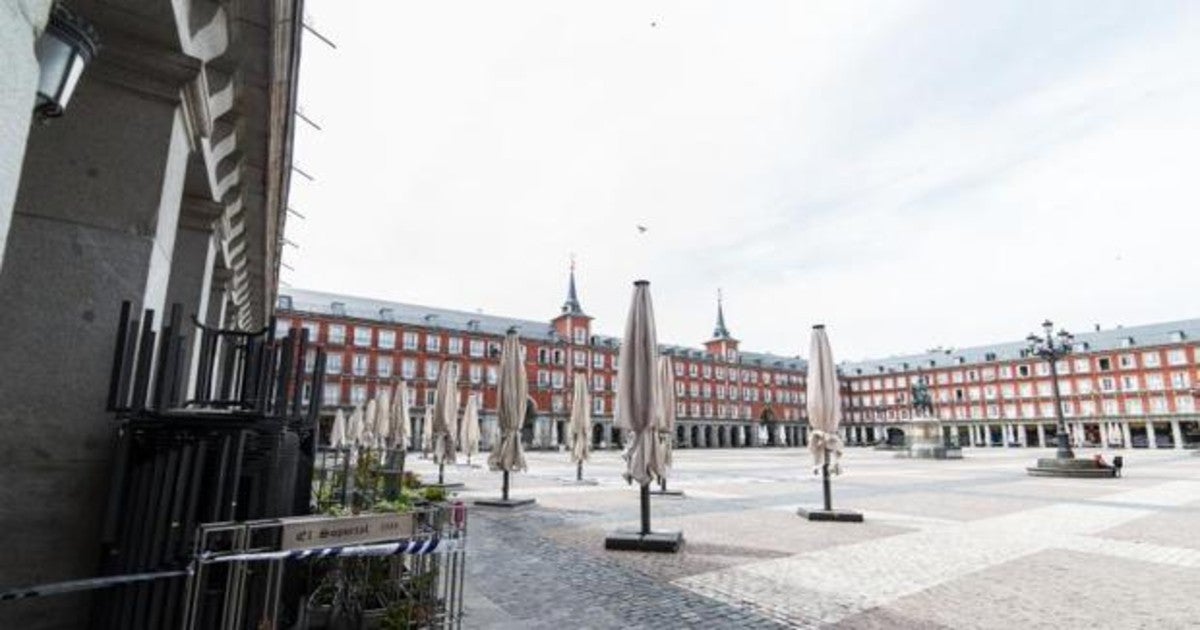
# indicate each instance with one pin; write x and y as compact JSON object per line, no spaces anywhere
{"x":192,"y":268}
{"x":21,"y":22}
{"x":1176,"y":434}
{"x":1126,"y":435}
{"x":93,"y":223}
{"x":1021,"y":435}
{"x":1041,"y":433}
{"x":1103,"y":435}
{"x":608,"y":435}
{"x":1151,"y":439}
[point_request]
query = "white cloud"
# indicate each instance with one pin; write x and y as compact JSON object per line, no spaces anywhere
{"x":908,"y":173}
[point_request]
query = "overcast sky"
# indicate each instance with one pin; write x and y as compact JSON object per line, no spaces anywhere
{"x":911,"y":174}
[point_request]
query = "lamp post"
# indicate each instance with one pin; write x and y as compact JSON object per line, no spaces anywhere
{"x":1051,"y":348}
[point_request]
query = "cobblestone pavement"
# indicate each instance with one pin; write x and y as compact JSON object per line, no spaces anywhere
{"x":953,"y":544}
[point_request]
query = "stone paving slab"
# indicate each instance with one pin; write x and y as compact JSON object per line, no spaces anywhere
{"x":975,"y":543}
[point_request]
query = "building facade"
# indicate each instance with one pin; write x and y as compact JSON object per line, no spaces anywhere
{"x":1125,"y":387}
{"x":725,"y":397}
{"x":163,"y":182}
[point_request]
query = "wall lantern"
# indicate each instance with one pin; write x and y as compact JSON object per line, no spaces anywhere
{"x":64,"y":49}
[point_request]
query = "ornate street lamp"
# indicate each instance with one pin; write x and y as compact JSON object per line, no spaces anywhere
{"x":64,"y":49}
{"x":1052,"y":349}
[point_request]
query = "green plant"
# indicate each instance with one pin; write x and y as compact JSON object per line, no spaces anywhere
{"x":434,"y":494}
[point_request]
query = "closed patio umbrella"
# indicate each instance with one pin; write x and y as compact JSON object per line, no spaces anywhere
{"x":445,"y":421}
{"x":580,"y":426}
{"x":638,"y":401}
{"x":367,"y":437}
{"x":470,"y":429}
{"x":337,"y":433}
{"x":401,"y":429}
{"x":666,"y":420}
{"x":824,"y":415}
{"x":426,"y":431}
{"x":383,"y":418}
{"x":512,"y":401}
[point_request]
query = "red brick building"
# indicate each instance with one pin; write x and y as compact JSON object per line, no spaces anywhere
{"x":725,"y":397}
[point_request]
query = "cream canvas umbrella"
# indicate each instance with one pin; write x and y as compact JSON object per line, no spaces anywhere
{"x":470,"y":429}
{"x":445,"y":421}
{"x":666,"y":419}
{"x":367,"y":436}
{"x":383,"y":418}
{"x":637,"y":410}
{"x":337,"y":433}
{"x":426,"y":431}
{"x":401,"y":424}
{"x":581,"y":425}
{"x":824,"y":415}
{"x":354,"y":428}
{"x":512,"y":401}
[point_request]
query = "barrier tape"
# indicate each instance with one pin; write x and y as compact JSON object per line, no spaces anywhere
{"x":411,"y":547}
{"x":87,"y":584}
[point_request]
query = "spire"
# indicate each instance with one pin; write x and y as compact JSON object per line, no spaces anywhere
{"x":721,"y":332}
{"x":571,"y":306}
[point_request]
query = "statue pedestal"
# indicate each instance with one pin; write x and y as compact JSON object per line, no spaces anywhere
{"x":926,"y":441}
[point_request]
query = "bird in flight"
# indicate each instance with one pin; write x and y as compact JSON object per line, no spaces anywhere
{"x":642,"y":229}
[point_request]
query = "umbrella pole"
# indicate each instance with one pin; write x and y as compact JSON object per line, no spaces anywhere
{"x":504,"y":488}
{"x":579,"y":471}
{"x":441,"y":473}
{"x":662,"y":484}
{"x":646,"y":509}
{"x":825,"y":483}
{"x":345,"y":475}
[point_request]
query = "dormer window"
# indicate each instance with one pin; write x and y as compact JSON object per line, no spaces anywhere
{"x":1176,"y":336}
{"x":387,"y":314}
{"x":285,"y":303}
{"x":1126,"y":342}
{"x":338,"y":308}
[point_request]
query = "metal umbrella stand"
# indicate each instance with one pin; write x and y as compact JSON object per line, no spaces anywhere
{"x":638,"y":410}
{"x":824,"y":413}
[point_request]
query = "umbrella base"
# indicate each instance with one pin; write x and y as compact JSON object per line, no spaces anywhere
{"x":629,"y":540}
{"x":667,"y":493}
{"x":578,"y":482}
{"x":504,"y":503}
{"x":449,"y":485}
{"x":840,"y":516}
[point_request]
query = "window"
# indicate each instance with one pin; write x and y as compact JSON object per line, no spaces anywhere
{"x":281,"y":328}
{"x":557,"y":379}
{"x":543,"y":378}
{"x":956,"y":377}
{"x":721,"y":392}
{"x":337,"y":334}
{"x":1177,"y":356}
{"x":1007,"y":391}
{"x":408,"y":368}
{"x":693,"y":370}
{"x":1133,"y":406}
{"x":1082,"y":365}
{"x":475,"y":348}
{"x":491,"y":375}
{"x":433,"y":343}
{"x":1043,"y":369}
{"x":579,"y":358}
{"x":431,"y":369}
{"x":333,"y":363}
{"x":556,"y":403}
{"x":598,"y":405}
{"x":1158,"y":405}
{"x":475,"y":373}
{"x":1023,"y":371}
{"x":720,"y":372}
{"x":1087,"y":407}
{"x":1104,"y":363}
{"x":362,"y":336}
{"x":1129,"y":383}
{"x":1151,"y":359}
{"x":1179,"y":380}
{"x":313,"y":329}
{"x":678,"y":368}
{"x":310,"y":360}
{"x":430,"y":397}
{"x":387,"y":339}
{"x":1127,"y":361}
{"x":1026,"y":390}
{"x":580,"y":336}
{"x":560,"y":357}
{"x":598,"y":382}
{"x":454,"y":345}
{"x":1110,"y":407}
{"x":707,"y":371}
{"x":598,"y":361}
{"x":332,"y":394}
{"x":1184,"y":404}
{"x":1107,"y":384}
{"x":359,"y":367}
{"x":1154,"y":382}
{"x":1083,"y":385}
{"x":358,"y":394}
{"x":383,"y":366}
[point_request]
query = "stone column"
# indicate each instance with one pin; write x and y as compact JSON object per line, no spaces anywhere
{"x":1151,"y":439}
{"x":1041,"y":433}
{"x":608,"y":435}
{"x":21,"y":22}
{"x":1022,"y":438}
{"x":1103,"y":435}
{"x":93,"y":223}
{"x":1126,"y":435}
{"x":1176,"y":434}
